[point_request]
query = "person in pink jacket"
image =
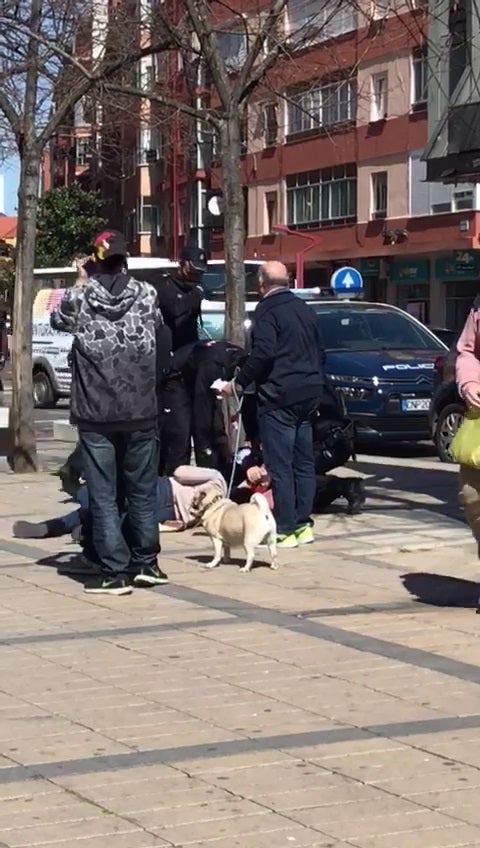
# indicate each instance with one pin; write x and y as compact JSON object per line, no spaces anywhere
{"x":467,"y":373}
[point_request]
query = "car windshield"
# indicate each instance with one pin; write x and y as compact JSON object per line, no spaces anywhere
{"x":212,"y":326}
{"x":214,"y":279}
{"x":371,"y":328}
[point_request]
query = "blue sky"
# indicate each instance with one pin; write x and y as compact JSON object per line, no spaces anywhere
{"x":11,"y":172}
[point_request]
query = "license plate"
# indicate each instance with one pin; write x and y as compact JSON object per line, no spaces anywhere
{"x":416,"y":405}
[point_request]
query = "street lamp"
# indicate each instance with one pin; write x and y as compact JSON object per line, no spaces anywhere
{"x":314,"y":241}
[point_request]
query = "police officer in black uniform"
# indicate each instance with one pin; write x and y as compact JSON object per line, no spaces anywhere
{"x":179,"y":298}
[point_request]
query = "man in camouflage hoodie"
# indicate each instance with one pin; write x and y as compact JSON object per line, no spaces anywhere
{"x":115,"y":322}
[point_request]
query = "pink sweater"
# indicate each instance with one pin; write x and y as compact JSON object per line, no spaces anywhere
{"x":467,"y":366}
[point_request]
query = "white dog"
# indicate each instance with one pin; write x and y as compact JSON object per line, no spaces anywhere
{"x":229,"y":525}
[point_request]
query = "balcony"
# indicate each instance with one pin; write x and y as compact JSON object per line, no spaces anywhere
{"x":453,"y":151}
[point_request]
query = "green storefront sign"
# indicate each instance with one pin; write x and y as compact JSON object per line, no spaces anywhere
{"x":370,"y":267}
{"x":405,"y":271}
{"x":461,"y":265}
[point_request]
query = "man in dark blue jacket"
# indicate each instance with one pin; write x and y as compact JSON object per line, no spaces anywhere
{"x":286,"y":366}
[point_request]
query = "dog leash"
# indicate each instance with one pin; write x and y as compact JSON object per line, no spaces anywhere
{"x":238,"y":402}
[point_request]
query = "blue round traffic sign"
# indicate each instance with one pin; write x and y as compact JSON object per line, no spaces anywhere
{"x":346,"y":280}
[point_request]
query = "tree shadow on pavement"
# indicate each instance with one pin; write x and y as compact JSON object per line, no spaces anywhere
{"x":68,"y":564}
{"x":441,"y":590}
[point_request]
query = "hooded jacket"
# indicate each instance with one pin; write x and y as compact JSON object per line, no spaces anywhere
{"x":114,"y":320}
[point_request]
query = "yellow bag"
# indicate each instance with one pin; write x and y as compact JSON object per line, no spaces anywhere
{"x":465,"y":447}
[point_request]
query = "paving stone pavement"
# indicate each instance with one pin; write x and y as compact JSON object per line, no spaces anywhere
{"x":334,"y":702}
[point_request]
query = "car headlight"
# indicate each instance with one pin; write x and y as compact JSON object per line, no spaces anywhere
{"x":340,"y":378}
{"x":351,"y":387}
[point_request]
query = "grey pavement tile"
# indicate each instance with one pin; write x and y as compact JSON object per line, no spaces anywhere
{"x":449,"y":798}
{"x":219,"y":677}
{"x":159,"y":797}
{"x":132,"y":839}
{"x":350,"y":825}
{"x":43,"y":834}
{"x":455,"y":836}
{"x":458,"y":777}
{"x":262,"y":823}
{"x":229,"y":808}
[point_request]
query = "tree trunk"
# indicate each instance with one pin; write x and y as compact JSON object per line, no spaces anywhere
{"x":22,"y":421}
{"x":234,"y":227}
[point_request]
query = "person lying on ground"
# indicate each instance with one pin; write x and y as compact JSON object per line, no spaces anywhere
{"x":174,"y":498}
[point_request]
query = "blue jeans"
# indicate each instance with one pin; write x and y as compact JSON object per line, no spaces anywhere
{"x":287,"y":444}
{"x":165,"y":509}
{"x":121,"y":476}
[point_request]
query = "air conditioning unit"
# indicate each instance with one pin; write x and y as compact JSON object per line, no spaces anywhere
{"x":151,"y":156}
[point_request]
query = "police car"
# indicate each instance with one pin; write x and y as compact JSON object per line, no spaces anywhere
{"x":380,"y":358}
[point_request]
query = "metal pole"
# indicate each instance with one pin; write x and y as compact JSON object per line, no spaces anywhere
{"x":200,"y":164}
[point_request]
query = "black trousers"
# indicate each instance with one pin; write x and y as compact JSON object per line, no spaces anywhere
{"x":75,"y":460}
{"x":175,"y":420}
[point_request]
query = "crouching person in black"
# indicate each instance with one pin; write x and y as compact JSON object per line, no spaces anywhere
{"x":333,"y":444}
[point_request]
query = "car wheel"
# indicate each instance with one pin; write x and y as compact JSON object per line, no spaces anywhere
{"x":43,"y":392}
{"x":448,"y":423}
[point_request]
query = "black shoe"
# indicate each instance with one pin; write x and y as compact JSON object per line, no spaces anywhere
{"x":152,"y":576}
{"x":103,"y":584}
{"x":30,"y":530}
{"x":354,"y":493}
{"x":70,"y":480}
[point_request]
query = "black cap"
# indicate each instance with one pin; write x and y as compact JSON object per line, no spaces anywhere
{"x":110,"y":243}
{"x":196,"y":256}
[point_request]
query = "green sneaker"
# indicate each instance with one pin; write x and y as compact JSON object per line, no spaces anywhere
{"x":105,"y":585}
{"x":304,"y":535}
{"x":287,"y":541}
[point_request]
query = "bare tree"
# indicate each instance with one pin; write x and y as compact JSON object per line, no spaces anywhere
{"x":231,"y":89}
{"x":220,"y":86}
{"x":52,"y":54}
{"x":60,"y":51}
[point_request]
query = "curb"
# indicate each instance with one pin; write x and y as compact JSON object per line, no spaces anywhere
{"x":63,"y":431}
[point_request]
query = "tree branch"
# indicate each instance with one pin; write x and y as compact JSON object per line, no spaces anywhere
{"x":199,"y":12}
{"x":10,"y":113}
{"x":92,"y":80}
{"x":45,"y":42}
{"x":167,"y":102}
{"x":245,"y":79}
{"x":27,"y":130}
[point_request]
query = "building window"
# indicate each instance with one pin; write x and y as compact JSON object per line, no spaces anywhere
{"x":304,"y":112}
{"x":233,"y":48}
{"x":326,"y":197}
{"x":270,"y":124}
{"x":271,"y":209}
{"x":419,"y":77}
{"x":379,"y":97}
{"x":145,"y":74}
{"x":148,"y":218}
{"x":379,"y":194}
{"x":380,"y":9}
{"x":148,"y":146}
{"x":83,"y":151}
{"x":312,"y":21}
{"x":435,"y":198}
{"x":323,"y":106}
{"x":443,"y":206}
{"x":338,"y":103}
{"x":463,"y":200}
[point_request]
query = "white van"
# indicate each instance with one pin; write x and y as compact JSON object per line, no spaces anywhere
{"x":51,"y":370}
